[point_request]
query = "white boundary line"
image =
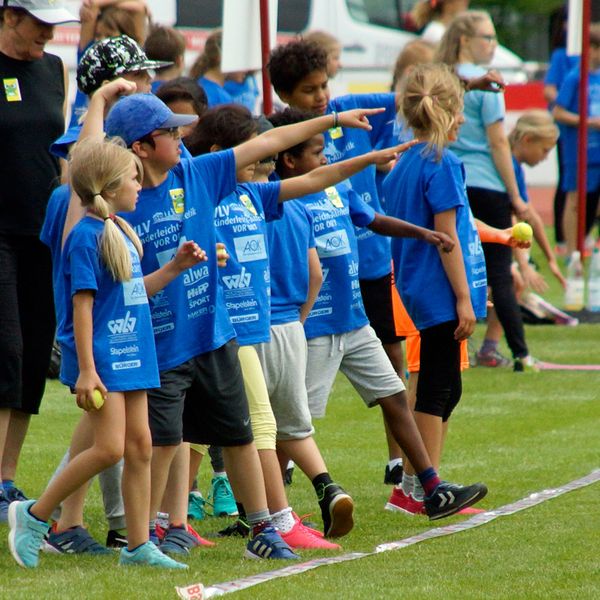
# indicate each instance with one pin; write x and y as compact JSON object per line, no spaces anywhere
{"x":197,"y":591}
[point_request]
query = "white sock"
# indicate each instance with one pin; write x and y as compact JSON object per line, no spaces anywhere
{"x":283,"y":520}
{"x":408,"y":483}
{"x":393,"y":462}
{"x":418,"y":491}
{"x":219,"y":474}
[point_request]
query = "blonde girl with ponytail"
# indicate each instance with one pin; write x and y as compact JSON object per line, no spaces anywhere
{"x":109,"y":356}
{"x":444,"y":293}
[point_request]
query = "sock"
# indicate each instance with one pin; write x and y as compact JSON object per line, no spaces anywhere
{"x":393,"y":462}
{"x":322,"y":478}
{"x":258,"y":521}
{"x":283,"y":520}
{"x":488,"y":346}
{"x":429,"y":480}
{"x":418,"y":492}
{"x":136,"y":548}
{"x":152,"y":525}
{"x":219,"y":474}
{"x":8,"y":484}
{"x":291,"y":464}
{"x":408,"y":483}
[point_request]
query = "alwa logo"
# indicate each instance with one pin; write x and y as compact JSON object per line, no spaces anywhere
{"x":238,"y":282}
{"x":125,"y":325}
{"x":353,"y":268}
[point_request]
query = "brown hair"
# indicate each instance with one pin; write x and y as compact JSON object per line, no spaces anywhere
{"x":426,"y":11}
{"x":463,"y":24}
{"x":164,"y":43}
{"x":210,"y":57}
{"x":414,"y":53}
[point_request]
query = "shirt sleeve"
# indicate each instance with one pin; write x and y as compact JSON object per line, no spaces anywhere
{"x":311,"y":232}
{"x":218,"y":173}
{"x":567,"y":94}
{"x":492,"y":107}
{"x":361,"y":213}
{"x":84,"y":266}
{"x":269,"y":197}
{"x":445,"y":187}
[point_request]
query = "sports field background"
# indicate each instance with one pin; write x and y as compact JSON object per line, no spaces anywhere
{"x":519,"y":433}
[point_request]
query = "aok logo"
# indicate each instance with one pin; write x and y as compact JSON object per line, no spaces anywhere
{"x":125,"y":325}
{"x":238,"y":282}
{"x":333,"y":244}
{"x":250,"y":247}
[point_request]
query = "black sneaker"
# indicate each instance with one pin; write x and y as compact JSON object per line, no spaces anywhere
{"x":114,"y":539}
{"x":448,"y":498}
{"x":289,"y":474}
{"x":238,"y":528}
{"x":336,"y":509}
{"x":393,"y":476}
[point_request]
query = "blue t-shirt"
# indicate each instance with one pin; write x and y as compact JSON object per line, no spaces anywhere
{"x":289,"y":240}
{"x":215,"y":94}
{"x":123,"y":343}
{"x":245,"y":93}
{"x":520,"y":177}
{"x":481,"y":110}
{"x":81,"y":101}
{"x":51,"y":235}
{"x":568,"y":98}
{"x":560,"y":65}
{"x":339,"y":306}
{"x":240,"y":222}
{"x":416,"y":190}
{"x":342,"y":143}
{"x":189,"y":314}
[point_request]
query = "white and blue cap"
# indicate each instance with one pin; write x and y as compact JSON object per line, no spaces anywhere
{"x":51,"y":12}
{"x":135,"y":116}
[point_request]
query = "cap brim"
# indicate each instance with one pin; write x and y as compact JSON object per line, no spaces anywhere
{"x":149,"y":64}
{"x":178,"y":120}
{"x":60,"y":147}
{"x":53,"y":16}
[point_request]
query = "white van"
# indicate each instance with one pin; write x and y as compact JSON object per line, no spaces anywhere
{"x":371,"y":33}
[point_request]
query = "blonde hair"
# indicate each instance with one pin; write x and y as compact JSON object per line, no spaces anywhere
{"x":327,"y":41}
{"x":426,"y":11}
{"x":463,"y":24}
{"x":414,"y":53}
{"x":97,"y":171}
{"x":431,"y":97}
{"x":538,"y":124}
{"x":210,"y":57}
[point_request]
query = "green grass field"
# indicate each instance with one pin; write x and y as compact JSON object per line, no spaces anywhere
{"x":519,"y":433}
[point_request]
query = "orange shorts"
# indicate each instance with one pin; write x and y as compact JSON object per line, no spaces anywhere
{"x":413,"y":354}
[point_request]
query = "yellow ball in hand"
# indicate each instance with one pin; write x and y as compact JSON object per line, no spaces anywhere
{"x":97,"y":399}
{"x":522,"y":232}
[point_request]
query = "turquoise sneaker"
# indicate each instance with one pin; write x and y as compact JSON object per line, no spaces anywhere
{"x":196,"y":506}
{"x":26,"y":534}
{"x":148,"y":555}
{"x":221,"y":497}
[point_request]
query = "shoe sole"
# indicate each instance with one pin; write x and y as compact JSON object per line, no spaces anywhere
{"x":12,"y":523}
{"x":393,"y":508}
{"x":469,"y":502}
{"x":340,"y":513}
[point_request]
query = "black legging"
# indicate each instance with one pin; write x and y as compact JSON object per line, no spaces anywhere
{"x":494,"y":208}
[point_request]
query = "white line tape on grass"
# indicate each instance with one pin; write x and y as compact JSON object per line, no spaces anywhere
{"x":197,"y":591}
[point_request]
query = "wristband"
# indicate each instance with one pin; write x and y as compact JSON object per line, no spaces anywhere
{"x":336,"y":121}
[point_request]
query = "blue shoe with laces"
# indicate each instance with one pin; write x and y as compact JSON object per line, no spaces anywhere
{"x":196,"y":505}
{"x":221,"y":497}
{"x":4,"y":503}
{"x":14,"y":494}
{"x":268,"y":544}
{"x":26,"y":534}
{"x":75,"y":540}
{"x":148,"y":555}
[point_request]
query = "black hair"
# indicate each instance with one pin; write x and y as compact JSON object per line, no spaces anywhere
{"x":290,"y":116}
{"x":292,"y":62}
{"x":225,"y":126}
{"x":186,"y":89}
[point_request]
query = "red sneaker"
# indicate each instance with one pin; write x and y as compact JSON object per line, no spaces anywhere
{"x":470,"y":510}
{"x":311,"y":529}
{"x":400,"y":502}
{"x":201,"y":541}
{"x":301,"y":536}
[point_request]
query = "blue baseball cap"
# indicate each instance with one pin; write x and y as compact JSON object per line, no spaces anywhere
{"x":135,"y":116}
{"x":60,"y":147}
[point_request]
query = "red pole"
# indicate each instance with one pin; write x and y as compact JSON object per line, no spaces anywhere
{"x":583,"y":126}
{"x":265,"y":45}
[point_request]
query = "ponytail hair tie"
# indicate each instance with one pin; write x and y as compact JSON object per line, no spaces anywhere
{"x":111,"y":217}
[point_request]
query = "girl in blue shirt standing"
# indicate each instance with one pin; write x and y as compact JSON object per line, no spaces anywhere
{"x":109,"y":356}
{"x":444,"y":293}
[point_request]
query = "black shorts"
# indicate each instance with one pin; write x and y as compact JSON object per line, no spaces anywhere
{"x":27,"y":321}
{"x":202,"y":401}
{"x":377,"y":295}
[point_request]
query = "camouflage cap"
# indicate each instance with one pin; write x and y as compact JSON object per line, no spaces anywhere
{"x":110,"y":58}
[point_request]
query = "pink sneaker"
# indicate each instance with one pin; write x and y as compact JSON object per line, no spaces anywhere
{"x":311,"y":529}
{"x":470,"y":510}
{"x":400,"y":502}
{"x":301,"y":536}
{"x":201,"y":541}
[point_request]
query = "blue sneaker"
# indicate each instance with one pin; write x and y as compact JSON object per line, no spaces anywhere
{"x":196,"y":506}
{"x":221,"y":497}
{"x":148,"y":555}
{"x":177,"y":540}
{"x":153,"y":536}
{"x":26,"y":534}
{"x":75,"y":540}
{"x":268,"y":544}
{"x":3,"y":507}
{"x":14,"y":494}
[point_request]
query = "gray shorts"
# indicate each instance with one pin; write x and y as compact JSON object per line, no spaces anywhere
{"x":359,"y":355}
{"x":283,"y":361}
